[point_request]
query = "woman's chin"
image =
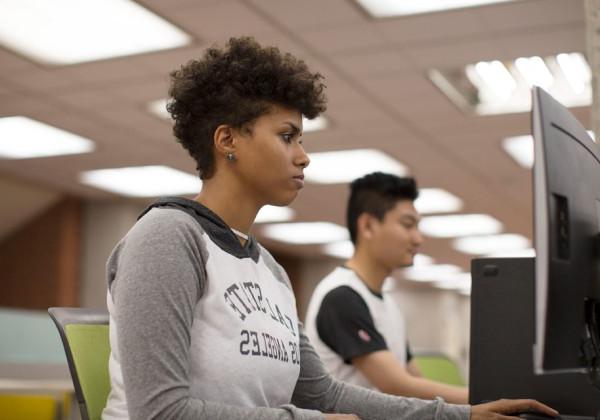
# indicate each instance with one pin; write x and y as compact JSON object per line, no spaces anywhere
{"x":284,"y":199}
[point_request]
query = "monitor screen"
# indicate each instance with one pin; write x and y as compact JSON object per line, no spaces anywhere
{"x":566,"y":229}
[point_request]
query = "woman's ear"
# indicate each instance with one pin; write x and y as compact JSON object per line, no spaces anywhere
{"x":224,"y":140}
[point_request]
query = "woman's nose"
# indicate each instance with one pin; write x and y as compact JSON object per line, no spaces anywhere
{"x":302,"y":160}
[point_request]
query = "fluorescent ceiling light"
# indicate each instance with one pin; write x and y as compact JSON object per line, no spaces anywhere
{"x":341,"y":249}
{"x":345,"y":250}
{"x":143,"y":181}
{"x":432,"y":272}
{"x":489,"y":244}
{"x":159,"y":109}
{"x":316,"y":124}
{"x":517,"y":253}
{"x":520,"y":148}
{"x":305,"y":233}
{"x":421,"y":260}
{"x":460,"y":282}
{"x":535,"y":71}
{"x":22,"y":138}
{"x":494,"y":75}
{"x":437,"y":200}
{"x":388,"y":8}
{"x":576,"y":70}
{"x":500,"y":87}
{"x":74,"y":31}
{"x":347,"y":165}
{"x":268,"y":214}
{"x":459,"y":225}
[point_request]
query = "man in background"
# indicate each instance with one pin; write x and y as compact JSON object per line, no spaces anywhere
{"x":359,"y":333}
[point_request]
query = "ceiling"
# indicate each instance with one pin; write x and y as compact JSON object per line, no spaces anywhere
{"x":379,"y":97}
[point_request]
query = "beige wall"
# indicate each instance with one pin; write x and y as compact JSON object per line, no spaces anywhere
{"x":104,"y":224}
{"x":437,"y":321}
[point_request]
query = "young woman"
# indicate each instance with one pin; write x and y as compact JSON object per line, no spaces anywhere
{"x":203,"y":321}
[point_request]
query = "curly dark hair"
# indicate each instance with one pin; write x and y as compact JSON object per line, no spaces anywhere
{"x":376,"y":194}
{"x":234,"y":86}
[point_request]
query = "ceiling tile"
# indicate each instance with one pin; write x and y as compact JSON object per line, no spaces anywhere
{"x":344,"y":38}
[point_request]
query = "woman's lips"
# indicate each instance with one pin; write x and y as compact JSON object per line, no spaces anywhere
{"x":299,"y":180}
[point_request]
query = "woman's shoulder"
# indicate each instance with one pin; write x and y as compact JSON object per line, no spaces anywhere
{"x":162,"y":230}
{"x":166,"y":221}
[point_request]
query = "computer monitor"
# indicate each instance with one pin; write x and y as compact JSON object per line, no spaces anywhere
{"x":566,"y":230}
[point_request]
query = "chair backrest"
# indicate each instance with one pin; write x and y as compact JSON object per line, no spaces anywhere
{"x":84,"y":333}
{"x":439,"y":367}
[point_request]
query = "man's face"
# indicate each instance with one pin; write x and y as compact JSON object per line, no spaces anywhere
{"x":396,"y":239}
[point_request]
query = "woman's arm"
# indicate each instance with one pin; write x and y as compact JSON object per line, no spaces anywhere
{"x":317,"y":390}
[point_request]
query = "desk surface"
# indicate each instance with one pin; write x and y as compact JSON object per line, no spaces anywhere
{"x":35,"y":385}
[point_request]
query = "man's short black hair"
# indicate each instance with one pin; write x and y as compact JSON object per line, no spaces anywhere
{"x":376,"y":194}
{"x":235,"y":85}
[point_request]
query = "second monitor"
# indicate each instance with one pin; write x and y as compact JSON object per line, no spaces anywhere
{"x":502,"y":337}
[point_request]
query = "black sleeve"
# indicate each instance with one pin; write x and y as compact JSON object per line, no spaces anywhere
{"x":409,"y":354}
{"x":345,"y":324}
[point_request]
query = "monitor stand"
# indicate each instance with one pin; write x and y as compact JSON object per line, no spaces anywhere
{"x":502,"y":336}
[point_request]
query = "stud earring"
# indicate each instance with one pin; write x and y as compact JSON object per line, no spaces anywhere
{"x":230,"y":157}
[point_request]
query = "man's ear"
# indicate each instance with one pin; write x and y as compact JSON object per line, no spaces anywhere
{"x":365,"y":224}
{"x":224,"y":140}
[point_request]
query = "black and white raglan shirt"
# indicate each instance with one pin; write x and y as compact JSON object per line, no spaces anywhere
{"x":203,"y":328}
{"x":345,"y":319}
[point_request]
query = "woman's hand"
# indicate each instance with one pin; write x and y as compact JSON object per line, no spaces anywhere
{"x":341,"y":417}
{"x":505,"y":408}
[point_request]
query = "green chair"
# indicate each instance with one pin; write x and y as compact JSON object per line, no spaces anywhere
{"x":84,"y":334}
{"x":439,"y":367}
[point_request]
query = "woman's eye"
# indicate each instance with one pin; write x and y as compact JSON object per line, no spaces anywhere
{"x":287,"y":137}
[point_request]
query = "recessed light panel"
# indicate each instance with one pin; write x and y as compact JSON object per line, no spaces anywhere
{"x":346,"y":165}
{"x":159,"y":109}
{"x":143,"y":181}
{"x":430,"y":272}
{"x":501,"y":87}
{"x":459,"y":281}
{"x":305,"y":233}
{"x":341,"y":249}
{"x":520,"y":148}
{"x":516,"y":253}
{"x":74,"y":31}
{"x":437,"y":200}
{"x":22,"y":138}
{"x":390,"y":8}
{"x":490,"y":244}
{"x":345,"y":250}
{"x":316,"y":124}
{"x":269,"y":214}
{"x":459,"y":225}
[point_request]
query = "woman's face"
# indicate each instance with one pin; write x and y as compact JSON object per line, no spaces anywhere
{"x":271,"y":158}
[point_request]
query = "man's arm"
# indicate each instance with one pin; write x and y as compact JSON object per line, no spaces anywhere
{"x":385,"y":372}
{"x":414,"y":369}
{"x":317,"y":390}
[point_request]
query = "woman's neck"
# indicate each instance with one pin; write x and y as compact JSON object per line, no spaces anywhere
{"x":238,"y":213}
